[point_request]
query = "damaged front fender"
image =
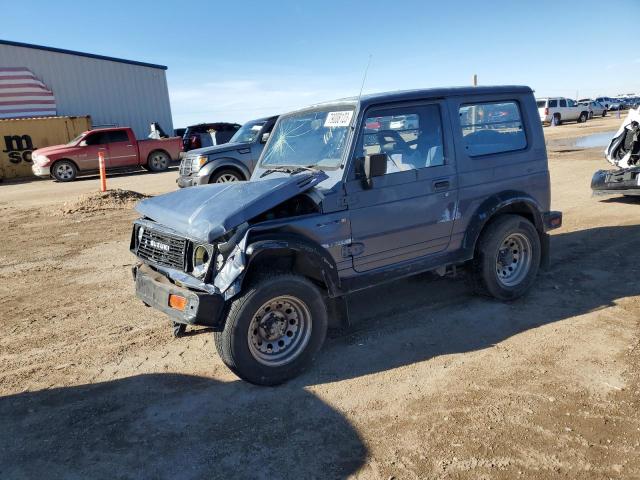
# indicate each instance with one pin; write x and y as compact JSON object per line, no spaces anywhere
{"x":307,"y":259}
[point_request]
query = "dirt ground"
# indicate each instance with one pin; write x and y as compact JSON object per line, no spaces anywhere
{"x":430,"y":382}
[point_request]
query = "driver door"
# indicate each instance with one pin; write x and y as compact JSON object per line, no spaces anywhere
{"x":95,"y":142}
{"x":408,"y":213}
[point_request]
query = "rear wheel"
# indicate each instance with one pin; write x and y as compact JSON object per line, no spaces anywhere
{"x":590,"y":114}
{"x":507,"y":258}
{"x":273,"y":330}
{"x":583,"y":117}
{"x":158,"y":161}
{"x":64,"y":171}
{"x":556,"y":120}
{"x":226,"y":176}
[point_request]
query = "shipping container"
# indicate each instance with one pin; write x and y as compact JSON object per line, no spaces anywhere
{"x":20,"y":136}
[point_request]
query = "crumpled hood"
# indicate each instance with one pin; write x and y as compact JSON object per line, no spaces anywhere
{"x":209,"y":211}
{"x":216,"y":149}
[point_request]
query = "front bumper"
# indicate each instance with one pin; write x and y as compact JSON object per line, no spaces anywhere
{"x":625,"y":181}
{"x":551,"y":220}
{"x":202,"y":308}
{"x":191,"y":181}
{"x":39,"y":171}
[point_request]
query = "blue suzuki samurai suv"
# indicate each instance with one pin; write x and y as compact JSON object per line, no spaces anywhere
{"x":346,"y":195}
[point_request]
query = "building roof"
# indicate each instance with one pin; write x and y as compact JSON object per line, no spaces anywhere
{"x":81,"y":54}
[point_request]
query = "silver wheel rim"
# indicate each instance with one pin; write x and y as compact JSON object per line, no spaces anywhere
{"x":279,"y":331}
{"x":159,"y":161}
{"x":64,"y":171}
{"x":226,"y":178}
{"x":513,"y":260}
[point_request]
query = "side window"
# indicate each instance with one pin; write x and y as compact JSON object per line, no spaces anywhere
{"x":553,"y":103}
{"x":118,"y":136}
{"x":411,"y":137}
{"x":489,"y":128}
{"x":98,"y":138}
{"x":563,"y":103}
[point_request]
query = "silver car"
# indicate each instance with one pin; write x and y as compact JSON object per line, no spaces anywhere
{"x":596,"y":109}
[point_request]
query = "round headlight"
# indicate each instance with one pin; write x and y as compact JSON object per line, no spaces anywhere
{"x":200,"y":256}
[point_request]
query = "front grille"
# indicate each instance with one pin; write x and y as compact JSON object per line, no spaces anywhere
{"x":186,"y":166}
{"x":162,"y":248}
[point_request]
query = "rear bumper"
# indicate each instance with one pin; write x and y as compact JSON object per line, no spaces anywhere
{"x":551,"y":220}
{"x":154,"y":289}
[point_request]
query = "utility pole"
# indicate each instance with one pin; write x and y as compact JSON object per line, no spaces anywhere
{"x":475,"y":80}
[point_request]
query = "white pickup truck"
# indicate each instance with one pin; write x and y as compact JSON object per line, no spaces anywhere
{"x":556,"y":110}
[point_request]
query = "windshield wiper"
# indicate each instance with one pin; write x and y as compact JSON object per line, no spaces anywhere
{"x":289,"y":169}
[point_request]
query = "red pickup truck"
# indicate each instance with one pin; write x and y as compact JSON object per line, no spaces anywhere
{"x":120,"y":147}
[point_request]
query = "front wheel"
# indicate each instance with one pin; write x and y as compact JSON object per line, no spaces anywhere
{"x":604,"y":112}
{"x":507,"y":258}
{"x":582,"y":118}
{"x":64,"y":171}
{"x":225,"y":176}
{"x":273,"y":330}
{"x":591,"y":115}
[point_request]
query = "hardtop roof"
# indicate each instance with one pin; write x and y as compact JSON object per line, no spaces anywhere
{"x":418,"y":94}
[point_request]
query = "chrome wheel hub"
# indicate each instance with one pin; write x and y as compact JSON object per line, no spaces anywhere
{"x":226,"y":178}
{"x":64,"y":171}
{"x":513,"y":260}
{"x":279,"y":331}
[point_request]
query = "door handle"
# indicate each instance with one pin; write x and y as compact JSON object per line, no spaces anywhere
{"x":441,"y":185}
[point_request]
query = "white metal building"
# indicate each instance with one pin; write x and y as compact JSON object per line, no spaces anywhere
{"x":112,"y":91}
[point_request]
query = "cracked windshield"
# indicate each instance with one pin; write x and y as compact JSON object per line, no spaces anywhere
{"x":310,"y":139}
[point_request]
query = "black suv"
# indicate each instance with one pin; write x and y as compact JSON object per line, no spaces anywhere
{"x":218,"y":133}
{"x":347,"y":195}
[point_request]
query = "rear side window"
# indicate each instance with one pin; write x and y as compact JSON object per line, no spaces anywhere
{"x":118,"y":136}
{"x":541,"y":103}
{"x":553,"y":103}
{"x":489,"y":128}
{"x":563,"y":103}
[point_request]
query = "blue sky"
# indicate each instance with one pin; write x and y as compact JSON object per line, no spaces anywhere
{"x":240,"y":60}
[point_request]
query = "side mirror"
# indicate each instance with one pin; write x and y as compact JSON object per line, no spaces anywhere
{"x":264,"y":138}
{"x":374,"y":166}
{"x":83,"y":143}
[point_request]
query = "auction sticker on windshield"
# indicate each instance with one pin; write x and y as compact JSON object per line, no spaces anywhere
{"x":338,"y":119}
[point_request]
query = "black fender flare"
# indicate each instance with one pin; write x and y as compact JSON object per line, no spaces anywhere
{"x":510,"y":201}
{"x":209,"y":168}
{"x":311,"y":259}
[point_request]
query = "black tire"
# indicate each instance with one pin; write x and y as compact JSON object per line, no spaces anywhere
{"x":590,"y":114}
{"x":244,"y":313}
{"x":64,"y":171}
{"x":604,"y":112}
{"x":179,"y":329}
{"x":158,"y":161}
{"x":487,"y":264}
{"x":226,"y":175}
{"x":583,"y":117}
{"x":556,"y":120}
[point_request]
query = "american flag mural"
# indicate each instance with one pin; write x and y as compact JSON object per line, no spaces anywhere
{"x":23,"y":95}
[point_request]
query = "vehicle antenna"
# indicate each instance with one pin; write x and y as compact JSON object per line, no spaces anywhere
{"x":364,"y":77}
